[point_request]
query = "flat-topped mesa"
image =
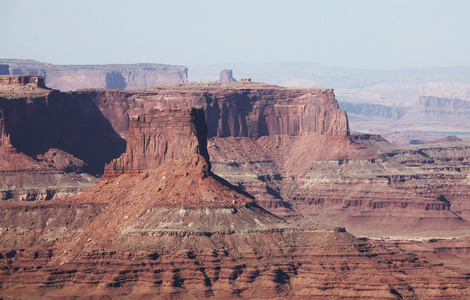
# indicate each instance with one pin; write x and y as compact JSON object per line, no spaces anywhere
{"x":161,"y":135}
{"x":21,"y":80}
{"x":122,"y":76}
{"x":253,"y":109}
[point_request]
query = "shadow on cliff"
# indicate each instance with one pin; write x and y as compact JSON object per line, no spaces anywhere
{"x":231,"y":186}
{"x":64,"y":121}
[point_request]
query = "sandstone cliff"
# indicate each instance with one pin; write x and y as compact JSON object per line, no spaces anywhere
{"x":38,"y":119}
{"x":249,"y":110}
{"x":73,"y":77}
{"x":290,"y":148}
{"x":11,"y":82}
{"x":245,"y":109}
{"x":47,"y":137}
{"x":161,"y":135}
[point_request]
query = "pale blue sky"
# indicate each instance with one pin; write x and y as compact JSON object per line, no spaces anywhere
{"x":375,"y":34}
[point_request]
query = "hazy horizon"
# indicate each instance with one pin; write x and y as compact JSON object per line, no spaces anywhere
{"x":361,"y":34}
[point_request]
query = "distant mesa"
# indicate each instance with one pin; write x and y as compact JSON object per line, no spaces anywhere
{"x":74,"y":77}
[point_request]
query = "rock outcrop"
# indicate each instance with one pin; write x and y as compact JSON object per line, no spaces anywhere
{"x":176,"y":230}
{"x":7,"y":81}
{"x":73,"y":77}
{"x":4,"y":137}
{"x":290,"y":148}
{"x":161,"y":135}
{"x":226,"y":76}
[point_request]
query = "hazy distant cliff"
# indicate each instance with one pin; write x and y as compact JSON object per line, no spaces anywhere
{"x":360,"y":110}
{"x":124,"y":76}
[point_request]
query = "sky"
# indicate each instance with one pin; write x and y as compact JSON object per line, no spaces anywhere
{"x":370,"y":34}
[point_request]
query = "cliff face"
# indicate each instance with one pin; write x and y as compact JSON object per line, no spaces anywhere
{"x":37,"y":123}
{"x":439,"y":114}
{"x":161,"y":135}
{"x":7,"y":81}
{"x":430,"y":113}
{"x":290,"y":148}
{"x":47,"y":137}
{"x":372,"y":111}
{"x":132,"y":76}
{"x":244,"y":109}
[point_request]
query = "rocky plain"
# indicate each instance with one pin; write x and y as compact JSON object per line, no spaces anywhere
{"x":227,"y":189}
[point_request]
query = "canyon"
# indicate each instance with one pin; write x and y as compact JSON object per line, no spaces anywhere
{"x":177,"y":230}
{"x":224,"y":189}
{"x":289,"y":148}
